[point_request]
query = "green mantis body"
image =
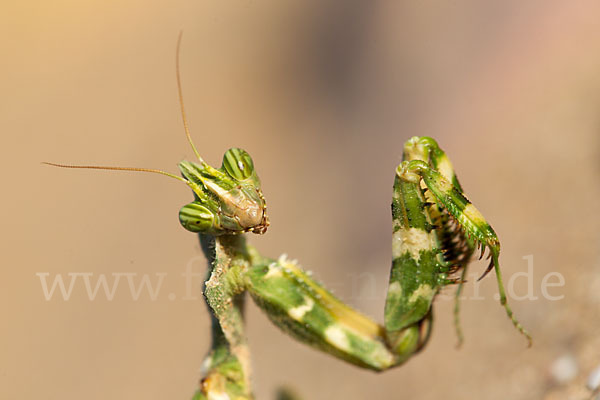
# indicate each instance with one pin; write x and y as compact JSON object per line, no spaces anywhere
{"x":435,"y":232}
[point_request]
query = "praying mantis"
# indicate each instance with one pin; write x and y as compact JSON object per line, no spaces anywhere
{"x":436,"y":230}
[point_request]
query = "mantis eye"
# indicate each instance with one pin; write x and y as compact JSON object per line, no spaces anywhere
{"x":238,"y":164}
{"x":196,"y":218}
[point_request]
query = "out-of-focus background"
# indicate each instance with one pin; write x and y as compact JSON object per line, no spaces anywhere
{"x":322,"y":94}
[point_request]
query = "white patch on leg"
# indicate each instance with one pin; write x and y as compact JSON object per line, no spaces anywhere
{"x":412,"y":240}
{"x":217,"y":396}
{"x":395,"y":288}
{"x":298,"y":312}
{"x":423,"y":291}
{"x":337,"y":337}
{"x":274,"y":271}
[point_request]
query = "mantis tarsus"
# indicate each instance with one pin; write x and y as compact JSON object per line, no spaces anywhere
{"x":435,"y":233}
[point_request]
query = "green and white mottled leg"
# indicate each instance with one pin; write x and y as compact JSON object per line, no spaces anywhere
{"x":448,"y":196}
{"x":418,"y":270}
{"x":302,"y":307}
{"x":457,"y":247}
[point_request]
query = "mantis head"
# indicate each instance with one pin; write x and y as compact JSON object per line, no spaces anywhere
{"x":227,"y":200}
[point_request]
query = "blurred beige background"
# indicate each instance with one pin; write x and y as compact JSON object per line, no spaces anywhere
{"x":322,"y":94}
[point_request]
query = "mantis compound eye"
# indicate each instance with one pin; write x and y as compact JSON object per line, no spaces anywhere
{"x":196,"y":218}
{"x":238,"y":164}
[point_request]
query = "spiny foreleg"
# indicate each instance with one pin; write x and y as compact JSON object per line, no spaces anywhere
{"x":457,"y":247}
{"x":468,"y":217}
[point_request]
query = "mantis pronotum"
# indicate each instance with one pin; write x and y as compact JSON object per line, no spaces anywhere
{"x":435,"y":232}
